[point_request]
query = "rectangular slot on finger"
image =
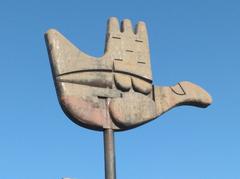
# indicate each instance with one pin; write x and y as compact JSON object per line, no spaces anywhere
{"x":118,"y":59}
{"x":129,"y":51}
{"x":114,"y":37}
{"x":102,"y":97}
{"x":141,"y":62}
{"x":138,"y":40}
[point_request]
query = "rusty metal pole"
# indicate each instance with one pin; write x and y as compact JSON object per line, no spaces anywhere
{"x":109,"y":154}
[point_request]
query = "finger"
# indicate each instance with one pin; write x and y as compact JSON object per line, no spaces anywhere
{"x":127,"y":26}
{"x":141,"y":31}
{"x":113,"y":35}
{"x":64,"y":56}
{"x":113,"y":25}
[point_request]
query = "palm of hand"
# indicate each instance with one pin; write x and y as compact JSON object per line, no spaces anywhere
{"x":116,"y":90}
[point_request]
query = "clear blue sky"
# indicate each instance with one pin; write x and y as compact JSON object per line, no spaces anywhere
{"x":197,"y":41}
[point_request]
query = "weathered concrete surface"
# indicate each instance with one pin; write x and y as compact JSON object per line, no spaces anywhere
{"x":114,"y":91}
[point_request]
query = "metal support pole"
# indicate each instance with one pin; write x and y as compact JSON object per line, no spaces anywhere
{"x":109,"y":154}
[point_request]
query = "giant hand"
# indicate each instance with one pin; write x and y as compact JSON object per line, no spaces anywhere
{"x":114,"y":91}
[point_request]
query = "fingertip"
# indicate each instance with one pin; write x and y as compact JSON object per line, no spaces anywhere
{"x":141,"y":27}
{"x":126,"y":26}
{"x":113,"y":25}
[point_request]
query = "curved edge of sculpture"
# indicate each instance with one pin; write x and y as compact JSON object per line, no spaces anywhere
{"x":116,"y":90}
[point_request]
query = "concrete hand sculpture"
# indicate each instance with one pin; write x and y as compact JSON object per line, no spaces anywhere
{"x":114,"y":91}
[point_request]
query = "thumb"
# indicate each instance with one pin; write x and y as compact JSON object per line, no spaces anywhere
{"x":66,"y":57}
{"x":183,"y":93}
